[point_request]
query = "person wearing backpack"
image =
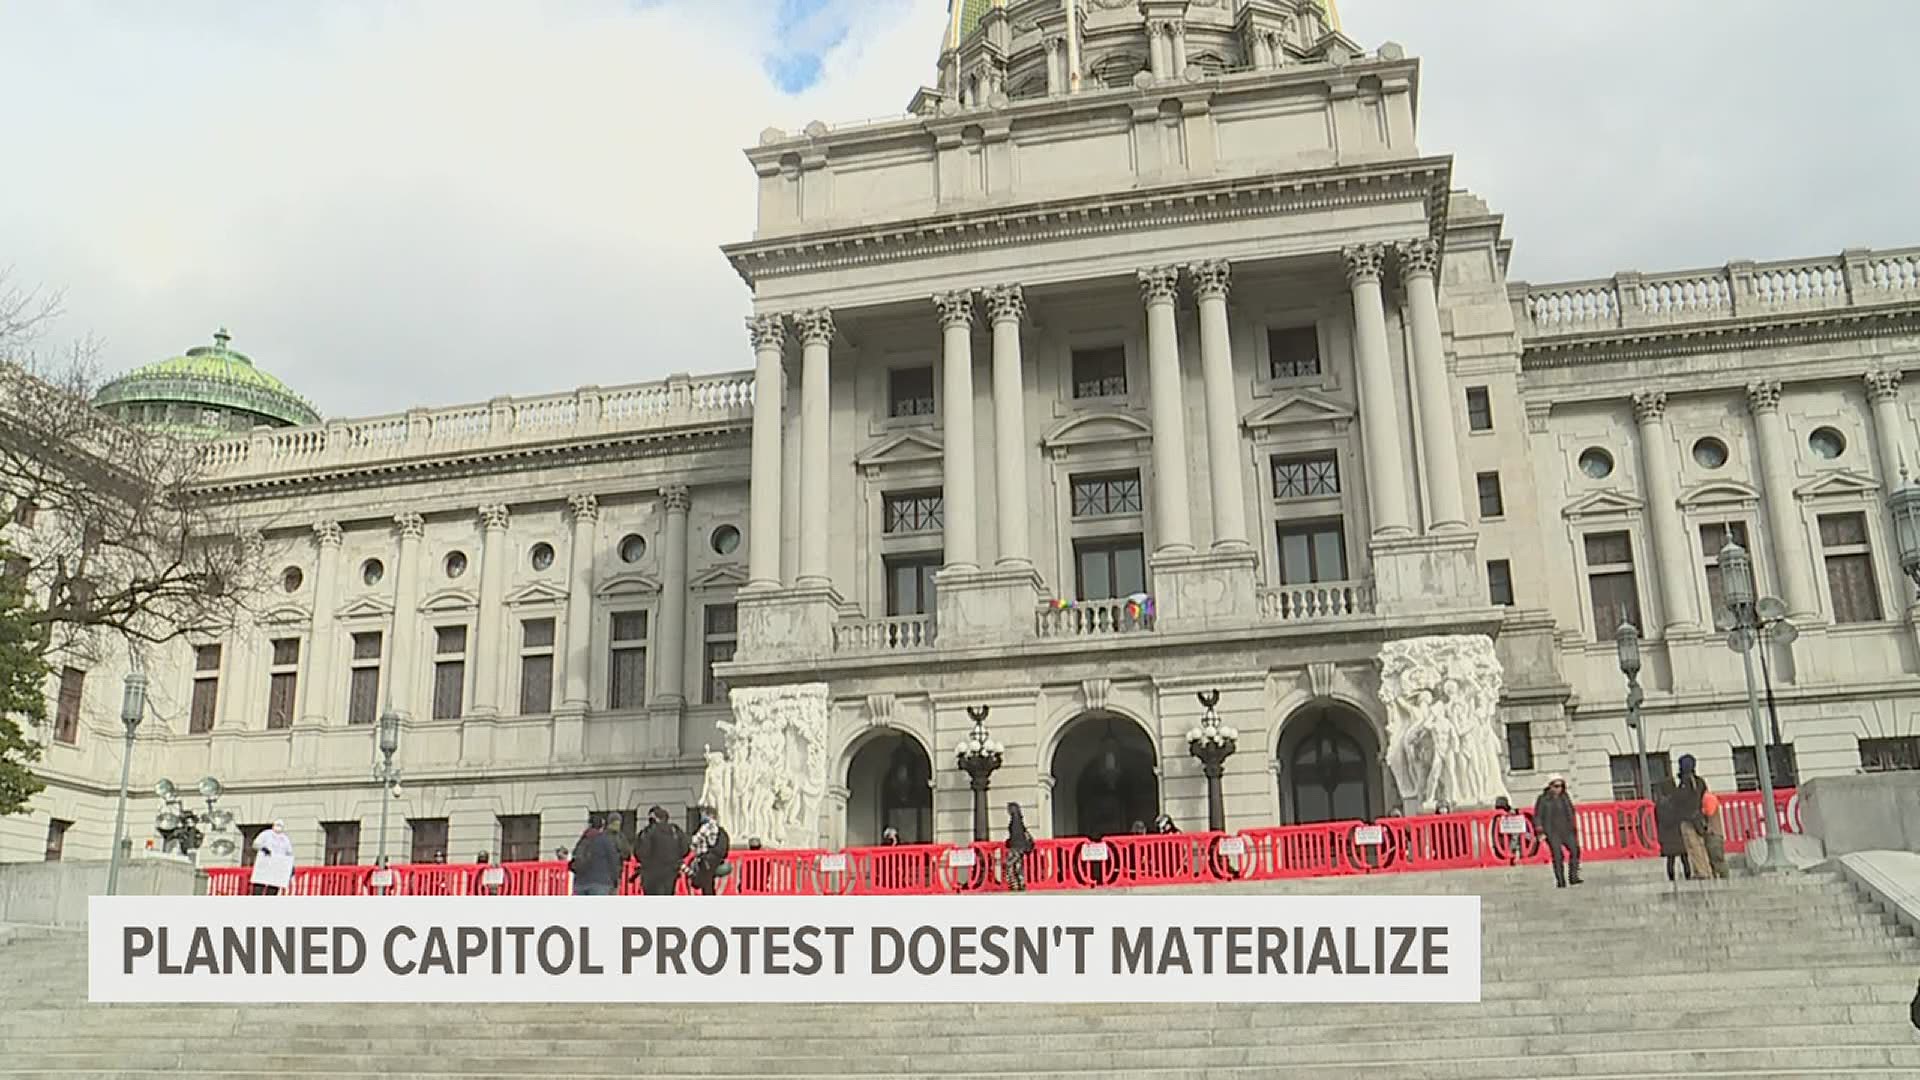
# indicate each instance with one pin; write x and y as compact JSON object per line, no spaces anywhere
{"x":710,"y":847}
{"x":1699,"y":812}
{"x":661,"y":850}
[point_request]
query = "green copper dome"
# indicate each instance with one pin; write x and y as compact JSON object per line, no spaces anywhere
{"x":211,"y":392}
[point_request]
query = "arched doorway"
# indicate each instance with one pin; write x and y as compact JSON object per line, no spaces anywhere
{"x":1329,"y":767}
{"x":1103,"y":777}
{"x":889,"y":783}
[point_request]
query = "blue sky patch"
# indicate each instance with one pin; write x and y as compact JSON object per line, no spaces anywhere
{"x":803,"y":32}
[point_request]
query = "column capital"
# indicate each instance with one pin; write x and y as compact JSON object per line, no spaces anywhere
{"x":1212,"y":278}
{"x":328,"y":533}
{"x":955,"y":307}
{"x":1418,"y":257}
{"x":493,"y":517}
{"x":1160,"y":284}
{"x":1006,"y":303}
{"x":409,"y":525}
{"x":676,"y":498}
{"x":1763,"y":395}
{"x":584,"y":506}
{"x":1167,"y":27}
{"x":815,"y":325}
{"x":767,"y":331}
{"x":1364,"y":262}
{"x":1883,"y":385}
{"x":1649,"y":406}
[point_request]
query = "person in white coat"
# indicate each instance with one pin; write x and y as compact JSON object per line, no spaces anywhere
{"x":272,"y":861}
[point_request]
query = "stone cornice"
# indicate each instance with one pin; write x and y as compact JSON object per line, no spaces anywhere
{"x":1186,"y":203}
{"x":1686,"y":339}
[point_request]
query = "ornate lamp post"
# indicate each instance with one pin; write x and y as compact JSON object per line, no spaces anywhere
{"x":178,"y":826}
{"x":979,"y":754}
{"x":1212,"y":743}
{"x":133,"y":704}
{"x":388,"y":776}
{"x":1736,"y":578}
{"x":1626,"y":643}
{"x":1904,"y":505}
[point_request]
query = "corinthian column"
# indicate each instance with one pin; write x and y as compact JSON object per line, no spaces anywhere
{"x":1671,"y":546}
{"x":816,"y":336}
{"x":769,"y":334}
{"x":585,"y":509}
{"x":956,"y":406}
{"x":671,"y":637}
{"x":327,"y":536}
{"x":1793,"y":563}
{"x":1007,"y":306}
{"x":490,"y":655}
{"x":410,"y":528}
{"x":1211,"y":281}
{"x":1379,"y":424}
{"x":1433,"y":389}
{"x":1159,"y":287}
{"x":1883,"y":394}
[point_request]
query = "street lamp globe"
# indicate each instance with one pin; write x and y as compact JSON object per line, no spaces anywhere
{"x":133,"y":700}
{"x":210,"y":788}
{"x":389,"y":733}
{"x":1626,"y":643}
{"x":1904,"y":505}
{"x":1736,"y":577}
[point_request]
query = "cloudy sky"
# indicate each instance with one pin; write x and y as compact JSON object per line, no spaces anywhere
{"x":401,"y":202}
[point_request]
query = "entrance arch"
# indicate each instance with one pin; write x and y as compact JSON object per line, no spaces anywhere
{"x":890,"y":783}
{"x":1104,"y":777}
{"x":1329,"y":757}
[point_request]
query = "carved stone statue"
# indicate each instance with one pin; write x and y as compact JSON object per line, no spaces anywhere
{"x":1442,"y":696}
{"x":771,"y":778}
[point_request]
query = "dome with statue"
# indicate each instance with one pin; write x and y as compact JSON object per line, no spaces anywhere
{"x":209,"y":392}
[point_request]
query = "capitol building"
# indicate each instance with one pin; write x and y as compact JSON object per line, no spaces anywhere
{"x":1146,"y":356}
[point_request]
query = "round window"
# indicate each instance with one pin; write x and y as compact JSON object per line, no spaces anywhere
{"x":726,"y":540}
{"x":1596,"y":463}
{"x":633,"y":548}
{"x":1710,"y":453}
{"x":372,"y":571}
{"x":542,"y":556}
{"x":456,"y":563}
{"x":1826,"y":444}
{"x":291,"y":579}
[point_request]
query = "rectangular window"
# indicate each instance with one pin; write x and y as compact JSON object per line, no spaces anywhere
{"x":1110,"y":569}
{"x":1500,"y":582}
{"x":627,"y":660}
{"x":1293,"y":352}
{"x":1610,"y":583}
{"x":536,"y":667}
{"x":1100,"y":372}
{"x":343,"y":842}
{"x":1312,"y":552}
{"x":1520,"y":747}
{"x":363,"y":678}
{"x":429,"y":839}
{"x":910,"y":391}
{"x":57,"y":838}
{"x":1850,"y":581}
{"x":722,"y":631}
{"x":1106,"y":495}
{"x":1492,"y":505}
{"x":66,"y":723}
{"x":913,"y":512}
{"x":910,"y":584}
{"x":1625,"y":770}
{"x":206,"y":689}
{"x":282,"y":683}
{"x":1713,"y":537}
{"x":1479,"y":409}
{"x":1890,"y":755}
{"x":520,"y":838}
{"x":449,"y":671}
{"x":1781,"y":759}
{"x":1308,"y":477}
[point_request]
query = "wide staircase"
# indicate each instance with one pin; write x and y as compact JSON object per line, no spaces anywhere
{"x":1781,"y":977}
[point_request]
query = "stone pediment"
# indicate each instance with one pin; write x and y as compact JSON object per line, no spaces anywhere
{"x":1838,"y":482}
{"x":632,"y":584}
{"x":724,"y":576}
{"x":284,"y":615}
{"x":536,"y":592}
{"x":365,"y":607}
{"x":449,"y":600}
{"x":901,"y":449}
{"x":1720,"y":493}
{"x":1103,"y":428}
{"x":1602,"y":504}
{"x":1297,"y":408}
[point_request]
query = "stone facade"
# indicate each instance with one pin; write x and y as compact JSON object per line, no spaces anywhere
{"x":1075,"y":402}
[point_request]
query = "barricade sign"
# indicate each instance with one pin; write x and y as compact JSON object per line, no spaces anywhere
{"x":1233,"y":846}
{"x":381,"y":879}
{"x":1513,"y":825}
{"x":493,"y":877}
{"x":835,"y":863}
{"x":960,"y":857}
{"x":1369,"y":836}
{"x":1094,"y":851}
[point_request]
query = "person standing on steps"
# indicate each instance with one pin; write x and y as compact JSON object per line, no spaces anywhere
{"x":1697,"y":809}
{"x":661,"y":850}
{"x":273,"y":861}
{"x":1019,"y":846}
{"x":710,"y":847}
{"x":616,"y":829}
{"x":1666,"y":820}
{"x":1553,"y":815}
{"x":596,"y":862}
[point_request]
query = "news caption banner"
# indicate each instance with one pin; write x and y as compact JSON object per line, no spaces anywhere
{"x":1237,"y":948}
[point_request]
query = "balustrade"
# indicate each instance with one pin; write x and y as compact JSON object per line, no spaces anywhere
{"x":895,"y":634}
{"x":1096,"y":618}
{"x":1320,"y":600}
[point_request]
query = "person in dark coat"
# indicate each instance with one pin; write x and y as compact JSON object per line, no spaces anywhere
{"x":1554,"y":818}
{"x":1666,"y":819}
{"x":596,"y":861}
{"x":1164,"y":826}
{"x":1019,"y":846}
{"x":661,"y":848}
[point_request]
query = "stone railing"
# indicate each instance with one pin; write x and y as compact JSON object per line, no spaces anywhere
{"x":1320,"y":600}
{"x":498,"y":424}
{"x":1095,"y":618}
{"x":903,"y":633}
{"x":1734,"y":291}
